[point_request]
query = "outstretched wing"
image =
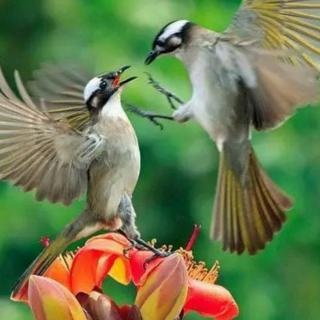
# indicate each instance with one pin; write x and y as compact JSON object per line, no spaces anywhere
{"x":39,"y":152}
{"x":60,"y":89}
{"x":293,"y":25}
{"x":272,"y":89}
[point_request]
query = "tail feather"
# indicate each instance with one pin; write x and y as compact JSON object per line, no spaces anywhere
{"x":248,"y":210}
{"x":80,"y":227}
{"x":39,"y":266}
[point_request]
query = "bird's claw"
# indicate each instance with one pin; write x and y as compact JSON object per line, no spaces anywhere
{"x":157,"y":253}
{"x":171,"y":97}
{"x":145,"y":114}
{"x":148,"y":115}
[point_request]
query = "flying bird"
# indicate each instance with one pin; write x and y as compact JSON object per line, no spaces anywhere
{"x":70,"y":137}
{"x":254,"y":75}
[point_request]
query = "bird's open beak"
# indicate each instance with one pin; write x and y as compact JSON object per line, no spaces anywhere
{"x":152,"y":56}
{"x":117,"y":82}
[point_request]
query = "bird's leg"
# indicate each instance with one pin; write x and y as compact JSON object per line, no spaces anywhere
{"x":152,"y":116}
{"x":171,"y":97}
{"x":157,"y":252}
{"x":129,"y":229}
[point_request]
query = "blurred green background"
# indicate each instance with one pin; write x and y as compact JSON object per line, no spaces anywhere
{"x":179,"y":164}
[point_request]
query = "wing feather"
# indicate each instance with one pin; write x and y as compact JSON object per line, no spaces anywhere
{"x":61,"y":91}
{"x":281,"y":24}
{"x":273,"y":89}
{"x":38,"y":151}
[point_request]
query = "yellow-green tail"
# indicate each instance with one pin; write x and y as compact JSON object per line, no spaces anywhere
{"x":249,"y":209}
{"x":40,"y":265}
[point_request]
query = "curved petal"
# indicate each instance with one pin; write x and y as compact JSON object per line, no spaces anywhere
{"x":96,"y":259}
{"x":211,"y":300}
{"x":140,"y":267}
{"x":163,"y":293}
{"x":120,"y":271}
{"x":130,"y":313}
{"x":101,"y":307}
{"x":49,"y":299}
{"x":59,"y":272}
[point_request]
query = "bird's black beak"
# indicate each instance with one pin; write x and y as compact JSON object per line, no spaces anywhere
{"x":152,"y":56}
{"x":118,"y":74}
{"x":122,"y":83}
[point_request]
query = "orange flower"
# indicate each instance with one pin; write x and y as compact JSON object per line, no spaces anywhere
{"x":101,"y":256}
{"x":204,"y":296}
{"x":167,"y":286}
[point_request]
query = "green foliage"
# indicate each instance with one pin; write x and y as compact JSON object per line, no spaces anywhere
{"x":179,"y":164}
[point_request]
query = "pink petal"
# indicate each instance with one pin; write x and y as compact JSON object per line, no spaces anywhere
{"x":140,"y":267}
{"x":101,"y":307}
{"x":49,"y":299}
{"x":164,"y":290}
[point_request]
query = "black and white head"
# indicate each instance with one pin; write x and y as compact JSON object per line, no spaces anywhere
{"x":99,"y":90}
{"x":170,"y":39}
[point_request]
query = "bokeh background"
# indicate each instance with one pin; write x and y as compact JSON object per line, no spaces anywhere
{"x":179,"y":164}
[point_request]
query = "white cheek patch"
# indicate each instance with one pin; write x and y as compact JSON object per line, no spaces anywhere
{"x":91,"y":87}
{"x":173,"y":28}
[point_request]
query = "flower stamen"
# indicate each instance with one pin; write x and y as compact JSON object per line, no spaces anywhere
{"x":197,"y":270}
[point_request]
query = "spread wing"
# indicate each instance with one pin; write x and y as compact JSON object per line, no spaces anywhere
{"x":60,"y":89}
{"x":293,"y":25}
{"x":39,"y":152}
{"x":273,"y":89}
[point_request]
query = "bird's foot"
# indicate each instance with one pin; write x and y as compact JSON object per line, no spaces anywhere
{"x":147,"y":246}
{"x":157,"y":253}
{"x":152,"y":116}
{"x":171,"y":97}
{"x":142,"y":245}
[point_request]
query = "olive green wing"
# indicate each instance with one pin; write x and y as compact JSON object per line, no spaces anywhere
{"x":293,"y":25}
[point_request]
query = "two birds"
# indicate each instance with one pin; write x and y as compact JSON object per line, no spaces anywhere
{"x":73,"y":136}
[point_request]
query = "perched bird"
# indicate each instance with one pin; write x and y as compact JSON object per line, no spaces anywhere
{"x":71,"y":137}
{"x":252,"y":76}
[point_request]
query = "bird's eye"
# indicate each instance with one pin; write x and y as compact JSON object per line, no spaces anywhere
{"x":103,"y":84}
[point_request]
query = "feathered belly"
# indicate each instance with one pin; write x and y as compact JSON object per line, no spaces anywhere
{"x":110,"y":178}
{"x":215,"y":114}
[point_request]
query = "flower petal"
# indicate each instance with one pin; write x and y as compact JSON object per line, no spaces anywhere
{"x":101,"y":307}
{"x":59,"y":272}
{"x":49,"y":300}
{"x":211,"y":301}
{"x":163,"y":293}
{"x":93,"y":262}
{"x":120,"y":271}
{"x":140,"y":267}
{"x":130,"y":313}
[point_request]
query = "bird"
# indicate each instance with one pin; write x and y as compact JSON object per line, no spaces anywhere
{"x":252,"y":76}
{"x":68,"y":136}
